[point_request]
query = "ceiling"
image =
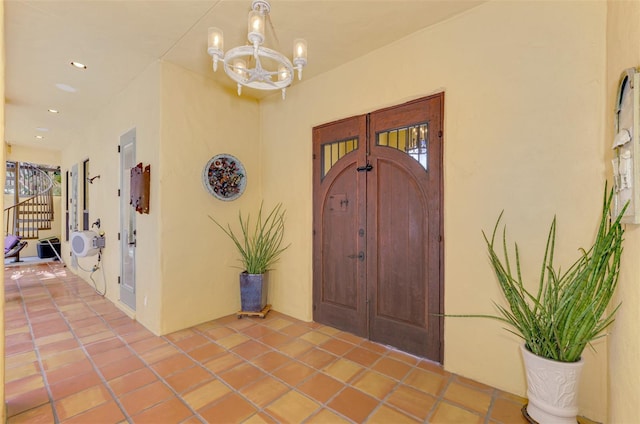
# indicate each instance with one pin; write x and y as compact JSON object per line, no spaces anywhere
{"x":118,"y":39}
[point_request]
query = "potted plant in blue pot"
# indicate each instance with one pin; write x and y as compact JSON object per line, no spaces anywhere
{"x":260,"y":246}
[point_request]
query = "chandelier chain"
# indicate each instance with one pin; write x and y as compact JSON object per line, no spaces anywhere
{"x":273,"y":31}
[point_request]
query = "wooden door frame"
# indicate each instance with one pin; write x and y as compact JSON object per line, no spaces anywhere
{"x":441,"y":249}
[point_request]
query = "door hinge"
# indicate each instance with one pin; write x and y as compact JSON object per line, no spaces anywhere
{"x":118,"y":236}
{"x":118,"y":279}
{"x":118,"y":148}
{"x":440,"y":133}
{"x":118,"y":192}
{"x":314,"y":156}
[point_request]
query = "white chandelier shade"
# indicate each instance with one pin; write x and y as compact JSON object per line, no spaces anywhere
{"x":270,"y":69}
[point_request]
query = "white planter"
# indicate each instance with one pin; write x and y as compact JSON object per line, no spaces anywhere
{"x":552,"y":389}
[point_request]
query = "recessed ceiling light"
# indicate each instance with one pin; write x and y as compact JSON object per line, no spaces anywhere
{"x":40,"y":137}
{"x":65,"y":87}
{"x":79,"y":65}
{"x":53,"y":110}
{"x":42,"y":129}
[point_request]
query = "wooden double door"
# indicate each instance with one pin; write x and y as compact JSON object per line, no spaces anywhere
{"x":378,"y":250}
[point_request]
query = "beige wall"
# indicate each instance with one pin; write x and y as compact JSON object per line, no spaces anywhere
{"x":43,"y":155}
{"x":185,"y":271}
{"x":138,"y":106}
{"x":623,"y":51}
{"x":524,"y":125}
{"x":198,"y":264}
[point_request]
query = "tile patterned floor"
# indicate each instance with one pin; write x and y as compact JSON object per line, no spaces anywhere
{"x":73,"y":357}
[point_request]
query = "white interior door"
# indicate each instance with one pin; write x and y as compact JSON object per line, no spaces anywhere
{"x":127,"y":221}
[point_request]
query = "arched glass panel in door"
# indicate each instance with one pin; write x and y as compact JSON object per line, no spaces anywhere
{"x":334,"y":151}
{"x":413,"y":140}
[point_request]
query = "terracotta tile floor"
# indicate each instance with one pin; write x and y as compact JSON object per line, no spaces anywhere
{"x":73,"y":357}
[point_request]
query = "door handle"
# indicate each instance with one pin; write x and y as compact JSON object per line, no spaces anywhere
{"x":359,"y":256}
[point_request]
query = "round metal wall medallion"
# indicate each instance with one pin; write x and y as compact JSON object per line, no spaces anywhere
{"x":224,"y":176}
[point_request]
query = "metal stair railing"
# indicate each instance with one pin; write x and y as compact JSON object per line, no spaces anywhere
{"x":27,"y":217}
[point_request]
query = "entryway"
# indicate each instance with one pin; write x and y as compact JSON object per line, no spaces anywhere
{"x":378,"y":248}
{"x":88,"y":362}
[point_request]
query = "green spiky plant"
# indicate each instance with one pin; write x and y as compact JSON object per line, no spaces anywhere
{"x":259,"y":245}
{"x":569,"y":309}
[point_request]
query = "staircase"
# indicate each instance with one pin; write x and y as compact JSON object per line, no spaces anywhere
{"x":27,"y":217}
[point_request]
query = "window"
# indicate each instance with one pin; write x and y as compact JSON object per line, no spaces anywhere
{"x":85,"y":195}
{"x":411,"y":140}
{"x":66,"y":205}
{"x":332,"y":152}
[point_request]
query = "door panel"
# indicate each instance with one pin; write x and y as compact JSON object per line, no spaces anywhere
{"x":404,"y":227}
{"x":127,"y":221}
{"x":377,"y":227}
{"x":400,"y":254}
{"x":336,"y":264}
{"x":339,"y":274}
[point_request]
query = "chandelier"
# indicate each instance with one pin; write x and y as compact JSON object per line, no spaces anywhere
{"x":254,"y":65}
